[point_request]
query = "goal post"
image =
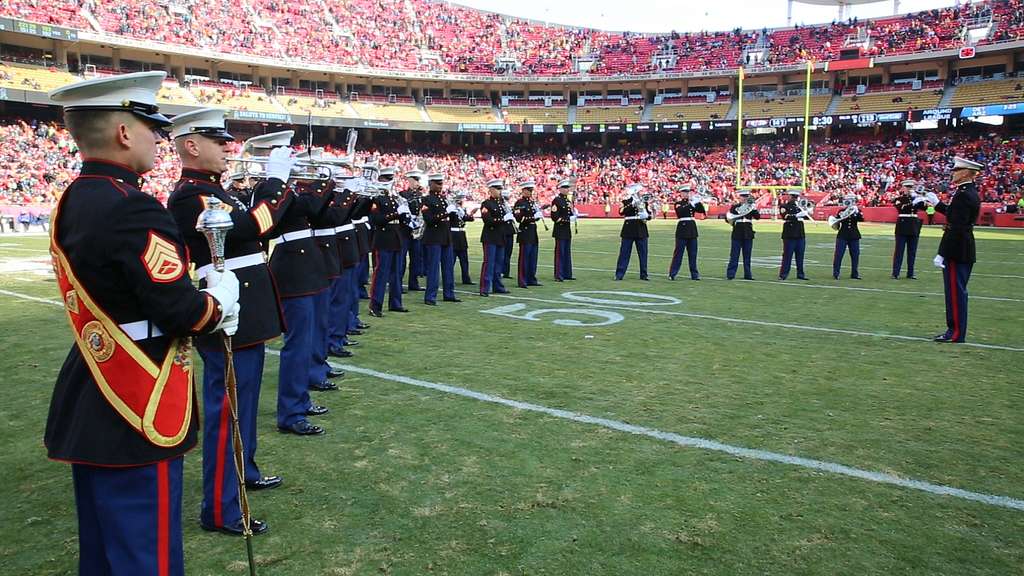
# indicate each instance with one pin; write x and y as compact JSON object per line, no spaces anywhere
{"x":807,"y":132}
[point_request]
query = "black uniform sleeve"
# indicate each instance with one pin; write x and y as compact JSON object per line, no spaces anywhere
{"x":754,"y":214}
{"x":146,"y":248}
{"x":489,"y":215}
{"x":699,"y":207}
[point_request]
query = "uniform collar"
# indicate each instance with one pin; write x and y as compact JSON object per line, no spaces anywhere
{"x":119,"y":172}
{"x":201,"y":175}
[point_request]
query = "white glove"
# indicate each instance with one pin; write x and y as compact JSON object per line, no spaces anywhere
{"x":229,"y":322}
{"x":802,"y":214}
{"x":223,"y":286}
{"x":404,"y":209}
{"x":538,"y":215}
{"x":931,"y":198}
{"x":509,"y":218}
{"x":280,"y":163}
{"x":452,"y":209}
{"x":939,"y":261}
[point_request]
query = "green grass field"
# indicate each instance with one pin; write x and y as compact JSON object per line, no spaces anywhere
{"x":414,"y":478}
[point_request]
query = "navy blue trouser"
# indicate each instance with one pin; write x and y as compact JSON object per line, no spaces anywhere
{"x":412,"y":250}
{"x":909,"y":243}
{"x":527,"y":275}
{"x":626,"y":250}
{"x":129,"y":519}
{"x":353,"y":316}
{"x":490,"y":269}
{"x":746,"y":247}
{"x":463,"y":257}
{"x":318,"y":351}
{"x":296,"y":354}
{"x":792,"y":247}
{"x":837,"y":260}
{"x":385,"y":276}
{"x":363,"y":276}
{"x":686,"y":246}
{"x":340,"y":309}
{"x":954,"y":281}
{"x":439,"y":258}
{"x":563,"y":258}
{"x":506,"y":263}
{"x":220,"y":505}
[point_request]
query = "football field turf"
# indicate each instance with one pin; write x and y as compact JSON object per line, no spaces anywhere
{"x":600,"y":427}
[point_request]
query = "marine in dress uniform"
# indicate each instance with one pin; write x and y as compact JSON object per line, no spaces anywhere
{"x":635,"y":212}
{"x":848,"y":238}
{"x":297,"y":264}
{"x":563,"y":214}
{"x":460,"y":243}
{"x":742,"y":235}
{"x":956,"y":249}
{"x":510,"y":236}
{"x":794,"y":239}
{"x":387,"y":244}
{"x":527,"y":212}
{"x":492,"y":237}
{"x":122,"y":409}
{"x":344,"y":295}
{"x":437,"y":243}
{"x":412,"y":251}
{"x":908,"y":229}
{"x":686,"y":233}
{"x":201,"y":139}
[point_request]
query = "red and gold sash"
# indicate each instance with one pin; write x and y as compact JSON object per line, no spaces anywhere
{"x":155,"y":400}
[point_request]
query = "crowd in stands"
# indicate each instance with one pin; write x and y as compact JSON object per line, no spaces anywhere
{"x":432,"y":35}
{"x":39,"y":159}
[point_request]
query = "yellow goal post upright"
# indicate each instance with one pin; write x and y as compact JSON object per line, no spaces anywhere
{"x":807,"y":132}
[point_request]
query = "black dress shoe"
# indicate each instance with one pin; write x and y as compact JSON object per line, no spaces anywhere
{"x":418,"y":289}
{"x":403,"y":309}
{"x":485,"y":294}
{"x":671,"y":277}
{"x":523,"y":286}
{"x":501,"y":291}
{"x":470,"y":283}
{"x":452,"y":300}
{"x":302,"y":428}
{"x":317,"y":410}
{"x":855,"y":278}
{"x":802,"y":278}
{"x":352,"y":343}
{"x":339,"y":353}
{"x":324,"y":386}
{"x":430,"y":303}
{"x":645,"y":278}
{"x":535,"y":284}
{"x":265,"y":483}
{"x":404,"y":291}
{"x":911,"y":277}
{"x":943,"y":338}
{"x":362,"y":326}
{"x":559,"y":280}
{"x":895,"y":277}
{"x":376,"y":313}
{"x":506,"y":276}
{"x":256,"y":526}
{"x":616,"y":278}
{"x":570,"y":278}
{"x":333,"y":372}
{"x":354,"y":333}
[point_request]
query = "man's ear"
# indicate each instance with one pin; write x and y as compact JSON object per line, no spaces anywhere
{"x":124,"y":136}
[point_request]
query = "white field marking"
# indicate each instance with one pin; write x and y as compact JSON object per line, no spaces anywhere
{"x":685,"y":441}
{"x":658,"y":299}
{"x":754,"y":262}
{"x":757,"y":322}
{"x":17,"y":248}
{"x":695,"y":442}
{"x":800,"y":284}
{"x":509,"y":311}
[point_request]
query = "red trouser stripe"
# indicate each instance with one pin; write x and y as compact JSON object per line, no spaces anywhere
{"x":522,"y":272}
{"x":163,"y":519}
{"x":558,"y":250}
{"x":218,"y":474}
{"x":485,"y":279}
{"x":373,"y":279}
{"x":954,"y":297}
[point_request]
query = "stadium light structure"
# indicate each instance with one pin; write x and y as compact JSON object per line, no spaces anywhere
{"x":842,"y":6}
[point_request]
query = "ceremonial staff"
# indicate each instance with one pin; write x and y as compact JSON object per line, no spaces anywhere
{"x":214,"y":223}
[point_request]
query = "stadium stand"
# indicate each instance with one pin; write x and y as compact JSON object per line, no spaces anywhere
{"x":445,"y":113}
{"x":679,"y":112}
{"x":988,"y":92}
{"x":898,"y":99}
{"x":229,"y":96}
{"x":783,"y":106}
{"x":536,"y":114}
{"x":33,"y":77}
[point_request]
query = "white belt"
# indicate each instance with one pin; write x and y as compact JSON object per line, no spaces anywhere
{"x":690,"y":219}
{"x":908,"y":215}
{"x":458,"y":230}
{"x":323,"y":232}
{"x":345,"y":228}
{"x":234,"y":263}
{"x":290,"y":236}
{"x":743,"y":220}
{"x":141,"y":330}
{"x":636,"y":218}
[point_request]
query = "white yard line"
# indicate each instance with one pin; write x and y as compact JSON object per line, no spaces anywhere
{"x":678,"y":439}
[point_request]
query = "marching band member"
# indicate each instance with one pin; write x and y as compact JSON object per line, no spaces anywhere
{"x":492,"y":211}
{"x":527,"y":212}
{"x":794,"y":239}
{"x":344,"y":294}
{"x":386,"y":242}
{"x":908,"y":229}
{"x":686,"y":233}
{"x":437,"y":243}
{"x":460,"y":244}
{"x":411,"y":246}
{"x":742,"y":215}
{"x":201,"y":139}
{"x":122,"y":411}
{"x":563,"y":215}
{"x":636,"y":212}
{"x":510,"y":235}
{"x":957,"y":254}
{"x":848,"y":237}
{"x":298,"y":267}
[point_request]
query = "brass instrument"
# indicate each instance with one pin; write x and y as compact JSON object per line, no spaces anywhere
{"x":742,"y":210}
{"x":303,"y":170}
{"x":807,"y":206}
{"x":849,"y":209}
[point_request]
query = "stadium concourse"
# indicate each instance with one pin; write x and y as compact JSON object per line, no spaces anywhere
{"x":866,"y":165}
{"x":425,"y":35}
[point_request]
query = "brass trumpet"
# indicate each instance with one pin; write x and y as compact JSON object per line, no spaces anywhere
{"x":303,"y":170}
